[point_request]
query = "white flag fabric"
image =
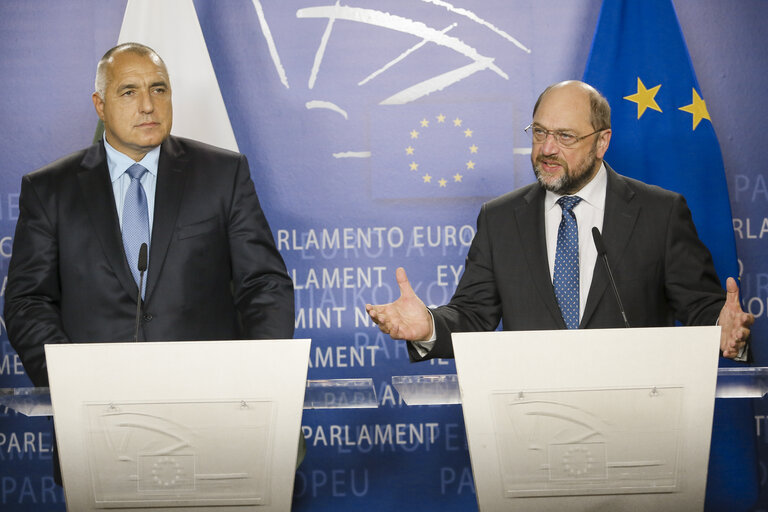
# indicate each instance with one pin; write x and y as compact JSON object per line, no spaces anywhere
{"x":172,"y":29}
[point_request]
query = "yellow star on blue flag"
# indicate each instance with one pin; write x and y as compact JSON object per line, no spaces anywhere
{"x":645,"y":98}
{"x":698,"y":108}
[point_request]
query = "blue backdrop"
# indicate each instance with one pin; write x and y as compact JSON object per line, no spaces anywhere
{"x":374,"y":131}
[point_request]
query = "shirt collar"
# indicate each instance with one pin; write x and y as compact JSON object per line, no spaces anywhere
{"x":118,"y":162}
{"x":592,"y":193}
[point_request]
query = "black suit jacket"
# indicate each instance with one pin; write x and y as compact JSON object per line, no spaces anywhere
{"x":214,"y":271}
{"x":662,"y":270}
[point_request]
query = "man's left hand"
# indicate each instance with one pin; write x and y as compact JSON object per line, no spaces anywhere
{"x":734,"y":322}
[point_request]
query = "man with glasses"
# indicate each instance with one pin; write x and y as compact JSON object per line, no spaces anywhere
{"x":532,"y":263}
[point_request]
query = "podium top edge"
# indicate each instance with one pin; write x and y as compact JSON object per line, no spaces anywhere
{"x":181,"y":342}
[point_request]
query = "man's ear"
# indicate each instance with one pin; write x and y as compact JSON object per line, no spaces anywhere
{"x":603,"y":140}
{"x":98,"y":104}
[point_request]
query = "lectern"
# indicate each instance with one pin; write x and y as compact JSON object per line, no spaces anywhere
{"x":614,"y":419}
{"x":180,"y":425}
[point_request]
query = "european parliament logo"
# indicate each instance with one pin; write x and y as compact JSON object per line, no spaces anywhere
{"x":369,"y":81}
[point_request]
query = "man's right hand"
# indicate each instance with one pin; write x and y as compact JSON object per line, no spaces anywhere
{"x":405,"y":319}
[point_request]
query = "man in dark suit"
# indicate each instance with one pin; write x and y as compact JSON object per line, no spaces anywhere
{"x":214,"y":271}
{"x":512,"y":272}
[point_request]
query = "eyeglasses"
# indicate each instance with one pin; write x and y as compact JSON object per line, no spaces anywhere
{"x":562,"y":138}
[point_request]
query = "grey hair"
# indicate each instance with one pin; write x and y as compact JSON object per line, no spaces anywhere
{"x":599,"y":109}
{"x":100,"y":84}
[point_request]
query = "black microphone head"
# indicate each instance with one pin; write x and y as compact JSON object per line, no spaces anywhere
{"x":599,"y":245}
{"x":143,"y":258}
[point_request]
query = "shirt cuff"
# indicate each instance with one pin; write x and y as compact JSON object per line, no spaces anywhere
{"x":423,"y":347}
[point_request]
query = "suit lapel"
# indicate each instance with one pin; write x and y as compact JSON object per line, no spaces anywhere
{"x":618,"y":223}
{"x":168,"y":195}
{"x":99,"y":200}
{"x":530,"y":223}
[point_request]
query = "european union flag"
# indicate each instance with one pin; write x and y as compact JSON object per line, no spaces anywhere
{"x":662,"y":130}
{"x":663,"y":134}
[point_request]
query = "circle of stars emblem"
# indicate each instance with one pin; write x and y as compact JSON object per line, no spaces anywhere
{"x":442,"y":126}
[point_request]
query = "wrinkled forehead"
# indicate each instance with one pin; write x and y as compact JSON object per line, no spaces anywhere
{"x":565,"y":107}
{"x":128,"y":63}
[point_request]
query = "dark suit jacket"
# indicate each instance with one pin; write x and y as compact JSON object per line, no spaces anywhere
{"x":662,"y":270}
{"x":214,"y":271}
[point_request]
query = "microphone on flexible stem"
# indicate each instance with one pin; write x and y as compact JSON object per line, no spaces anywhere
{"x":601,"y":253}
{"x":142,"y":267}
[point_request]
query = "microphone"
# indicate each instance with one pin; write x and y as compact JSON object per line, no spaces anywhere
{"x":601,"y":253}
{"x":142,"y":267}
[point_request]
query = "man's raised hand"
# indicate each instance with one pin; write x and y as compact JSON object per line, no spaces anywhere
{"x":405,"y":319}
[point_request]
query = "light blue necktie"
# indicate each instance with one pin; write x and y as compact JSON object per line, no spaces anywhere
{"x":135,"y":220}
{"x":566,"y":278}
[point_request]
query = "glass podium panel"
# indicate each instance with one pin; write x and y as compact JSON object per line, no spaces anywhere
{"x":320,"y":394}
{"x":747,"y":382}
{"x":340,"y":394}
{"x":27,"y":401}
{"x":428,"y":389}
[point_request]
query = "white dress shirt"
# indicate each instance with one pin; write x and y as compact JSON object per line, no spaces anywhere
{"x":589,"y":213}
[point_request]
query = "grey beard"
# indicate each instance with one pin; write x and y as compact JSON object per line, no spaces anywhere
{"x":573,"y":180}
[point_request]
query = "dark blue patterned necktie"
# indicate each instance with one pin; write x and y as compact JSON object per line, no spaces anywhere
{"x":135,"y":220}
{"x":566,"y":278}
